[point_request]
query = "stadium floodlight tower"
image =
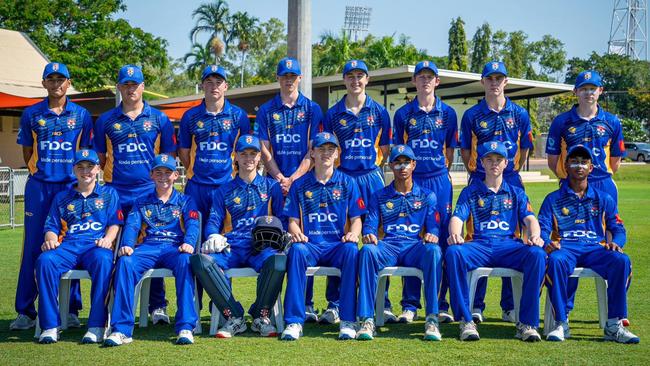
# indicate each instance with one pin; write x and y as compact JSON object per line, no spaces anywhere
{"x":628,"y":34}
{"x":357,"y":20}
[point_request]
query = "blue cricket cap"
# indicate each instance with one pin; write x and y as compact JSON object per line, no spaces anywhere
{"x":131,"y":73}
{"x":248,"y":142}
{"x":425,"y":65}
{"x":589,"y":77}
{"x":579,"y":150}
{"x":288,"y":65}
{"x":401,"y":150}
{"x":164,"y":161}
{"x":86,"y":155}
{"x":492,"y":147}
{"x":214,"y":70}
{"x":56,"y":68}
{"x":355,"y":65}
{"x":494,"y":67}
{"x":323,"y":138}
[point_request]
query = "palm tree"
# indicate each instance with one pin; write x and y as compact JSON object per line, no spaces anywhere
{"x":201,"y":56}
{"x":212,"y":18}
{"x":333,"y":52}
{"x":244,"y":29}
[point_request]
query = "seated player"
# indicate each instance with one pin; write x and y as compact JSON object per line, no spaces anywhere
{"x":324,"y":209}
{"x":79,"y":233}
{"x":160,"y":232}
{"x":409,"y":219}
{"x":575,"y":220}
{"x":494,"y":211}
{"x":235,"y":207}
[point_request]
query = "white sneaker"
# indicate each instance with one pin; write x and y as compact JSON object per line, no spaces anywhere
{"x":93,"y":335}
{"x":347,"y":330}
{"x":310,"y":314}
{"x":389,"y":317}
{"x":366,"y":330}
{"x":49,"y":336}
{"x":264,"y":327}
{"x":618,"y":333}
{"x":292,"y":332}
{"x":431,"y":330}
{"x":233,"y":326}
{"x":159,"y":316}
{"x":185,"y":337}
{"x":117,"y":339}
{"x":527,"y":333}
{"x":330,"y":316}
{"x":408,"y":316}
{"x":477,"y":316}
{"x":22,"y":322}
{"x":73,"y":321}
{"x":445,"y":317}
{"x":559,"y":333}
{"x":508,"y":316}
{"x":468,"y":331}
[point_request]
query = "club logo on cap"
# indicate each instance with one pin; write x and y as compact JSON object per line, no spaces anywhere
{"x":353,"y":63}
{"x":587,"y":75}
{"x":84,"y":153}
{"x":249,"y":139}
{"x":213,"y":68}
{"x":288,"y":64}
{"x":130,"y":71}
{"x":269,"y":219}
{"x":425,"y":64}
{"x":493,"y":146}
{"x":400,"y":149}
{"x":163,"y":158}
{"x":495,"y":65}
{"x":55,"y":67}
{"x":326,"y":135}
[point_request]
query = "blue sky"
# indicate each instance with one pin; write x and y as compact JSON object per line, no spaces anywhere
{"x":583,"y":25}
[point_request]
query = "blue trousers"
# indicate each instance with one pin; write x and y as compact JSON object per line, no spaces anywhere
{"x":202,"y":195}
{"x":129,"y":270}
{"x":613,"y":266}
{"x":52,"y":264}
{"x":128,"y":195}
{"x":497,"y":252}
{"x":38,"y":199}
{"x":333,"y":254}
{"x":374,"y":258}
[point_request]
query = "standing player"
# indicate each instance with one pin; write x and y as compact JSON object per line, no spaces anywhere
{"x":430,"y":128}
{"x":208,"y":133}
{"x":127,"y":138}
{"x":285,"y":125}
{"x":79,"y":232}
{"x":494,"y":209}
{"x":495,"y":118}
{"x":160,"y":232}
{"x":50,"y":133}
{"x":574,"y":221}
{"x":235,"y":207}
{"x":324,"y":208}
{"x":409,"y":219}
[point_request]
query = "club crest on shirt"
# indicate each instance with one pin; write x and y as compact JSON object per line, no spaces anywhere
{"x":42,"y":122}
{"x":507,"y":203}
{"x":237,"y":200}
{"x":99,"y":203}
{"x":71,"y":123}
{"x":370,"y":120}
{"x":300,"y":115}
{"x":264,"y":196}
{"x":336,"y":194}
{"x":438,"y":123}
{"x":510,"y":123}
{"x":389,"y":205}
{"x":70,"y":207}
{"x":343,"y":122}
{"x":448,"y":208}
{"x":146,"y":125}
{"x":413,"y":121}
{"x":309,"y":194}
{"x":117,"y":126}
{"x":600,"y":130}
{"x":200,"y":124}
{"x":572,"y":130}
{"x":227,"y":124}
{"x":276,"y":117}
{"x":483,"y":124}
{"x":481,"y":203}
{"x":176,"y":213}
{"x":417,"y":205}
{"x":594,"y":211}
{"x":565,"y":211}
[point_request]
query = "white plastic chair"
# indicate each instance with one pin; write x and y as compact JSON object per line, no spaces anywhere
{"x":516,"y":277}
{"x":381,"y":287}
{"x":601,"y":295}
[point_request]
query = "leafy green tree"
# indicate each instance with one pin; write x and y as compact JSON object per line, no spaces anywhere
{"x":458,"y":48}
{"x":499,"y":40}
{"x":549,"y":54}
{"x":633,"y":130}
{"x":517,"y":57}
{"x":480,"y":48}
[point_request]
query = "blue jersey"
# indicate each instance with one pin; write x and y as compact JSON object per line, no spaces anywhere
{"x":152,"y":221}
{"x":488,"y":214}
{"x":77,"y":218}
{"x":428,"y":134}
{"x":236,"y":205}
{"x":566,"y":217}
{"x":402,"y":216}
{"x":55,"y":139}
{"x":511,"y":126}
{"x":288,"y":130}
{"x":131,"y":145}
{"x":324,"y":209}
{"x":360,"y":136}
{"x":603,"y":134}
{"x":211,"y":139}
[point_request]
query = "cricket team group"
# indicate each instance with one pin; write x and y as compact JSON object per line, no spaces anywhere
{"x":324,"y":186}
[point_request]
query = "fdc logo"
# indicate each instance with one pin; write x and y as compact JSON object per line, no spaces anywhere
{"x":211,"y":146}
{"x":287,"y":138}
{"x":492,"y":225}
{"x":245,"y":222}
{"x":421,"y":143}
{"x":132,"y":147}
{"x":579,"y":234}
{"x":55,"y":145}
{"x":95,"y":226}
{"x":358,"y":143}
{"x":322,"y":217}
{"x":413,"y":228}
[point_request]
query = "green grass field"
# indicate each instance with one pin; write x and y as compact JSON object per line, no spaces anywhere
{"x":395,"y":344}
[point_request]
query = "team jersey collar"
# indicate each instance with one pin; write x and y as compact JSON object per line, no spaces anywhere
{"x":227,"y":107}
{"x":483,"y":189}
{"x":566,"y":190}
{"x":600,"y":116}
{"x":336,"y":178}
{"x":146,"y":111}
{"x":257,"y":181}
{"x":96,"y":191}
{"x":415,"y":106}
{"x":66,"y":109}
{"x":486,"y":109}
{"x":415,"y":191}
{"x":340,"y":105}
{"x":277,"y":101}
{"x":173,"y":199}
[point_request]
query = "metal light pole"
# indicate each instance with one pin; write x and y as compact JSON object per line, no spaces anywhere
{"x":299,"y":40}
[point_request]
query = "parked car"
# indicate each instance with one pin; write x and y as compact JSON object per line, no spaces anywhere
{"x":639,"y":151}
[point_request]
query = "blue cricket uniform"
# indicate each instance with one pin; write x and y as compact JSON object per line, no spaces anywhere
{"x":403,"y":218}
{"x":429,"y":134}
{"x":323,"y":211}
{"x":580,"y":226}
{"x":493,"y":227}
{"x":288,"y":130}
{"x":79,"y":221}
{"x":55,"y":139}
{"x":602,"y":134}
{"x":211,"y":139}
{"x":156,"y":230}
